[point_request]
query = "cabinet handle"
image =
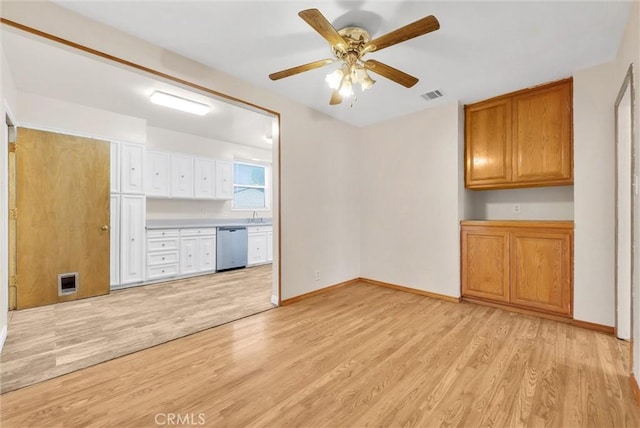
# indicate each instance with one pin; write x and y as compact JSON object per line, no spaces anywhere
{"x":133,"y":239}
{"x":163,"y":258}
{"x":157,"y":173}
{"x":182,"y":176}
{"x":163,"y":245}
{"x":133,"y":168}
{"x":162,"y":270}
{"x":205,"y":178}
{"x":190,"y":255}
{"x":163,"y":233}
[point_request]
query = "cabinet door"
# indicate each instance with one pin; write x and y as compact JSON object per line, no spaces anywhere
{"x":114,"y":241}
{"x":488,"y":143}
{"x":224,"y":180}
{"x":131,"y":238}
{"x":542,"y":133}
{"x":541,"y":270}
{"x":114,"y":165}
{"x":182,"y":176}
{"x":188,"y":255}
{"x":204,"y":178}
{"x":131,"y":168}
{"x":257,"y":248}
{"x":207,"y":254}
{"x":157,"y":174}
{"x":485,"y":263}
{"x":269,"y":246}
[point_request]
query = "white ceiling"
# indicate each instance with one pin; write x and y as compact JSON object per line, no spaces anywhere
{"x":481,"y":50}
{"x":67,"y":74}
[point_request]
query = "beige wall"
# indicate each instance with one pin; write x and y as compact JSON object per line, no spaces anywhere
{"x":409,"y":200}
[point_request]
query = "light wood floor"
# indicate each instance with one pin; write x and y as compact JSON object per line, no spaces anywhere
{"x":53,"y":340}
{"x":357,"y":356}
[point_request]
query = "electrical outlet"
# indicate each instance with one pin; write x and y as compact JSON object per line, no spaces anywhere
{"x":316,"y":275}
{"x":516,"y":208}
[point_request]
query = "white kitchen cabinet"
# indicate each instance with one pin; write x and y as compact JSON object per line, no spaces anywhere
{"x":224,"y":180}
{"x":197,"y":250}
{"x":204,"y":178}
{"x":162,"y":254}
{"x":181,"y":176}
{"x":131,"y":168}
{"x":156,"y":174}
{"x":132,"y":215}
{"x":114,"y":165}
{"x":257,"y":244}
{"x":270,"y":246}
{"x":207,"y":254}
{"x":188,"y":255}
{"x":114,"y":241}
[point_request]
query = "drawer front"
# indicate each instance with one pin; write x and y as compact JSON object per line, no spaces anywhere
{"x":164,"y":271}
{"x":162,"y":233}
{"x":155,"y":259}
{"x":259,"y":229}
{"x":167,"y":244}
{"x":209,"y":231}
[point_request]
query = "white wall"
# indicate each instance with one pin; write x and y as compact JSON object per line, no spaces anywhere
{"x":543,"y":203}
{"x":319,"y":209}
{"x":7,"y":101}
{"x":62,"y":116}
{"x":410,"y":211}
{"x":594,"y":93}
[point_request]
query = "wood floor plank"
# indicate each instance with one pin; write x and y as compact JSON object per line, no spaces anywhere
{"x":52,"y":340}
{"x":356,"y":356}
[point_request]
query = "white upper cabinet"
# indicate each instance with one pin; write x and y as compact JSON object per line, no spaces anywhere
{"x":157,"y":174}
{"x":114,"y":163}
{"x":224,"y":180}
{"x":181,"y":176}
{"x":204,"y":180}
{"x":131,"y":156}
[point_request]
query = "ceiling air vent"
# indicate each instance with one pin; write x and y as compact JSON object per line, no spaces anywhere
{"x":432,"y":95}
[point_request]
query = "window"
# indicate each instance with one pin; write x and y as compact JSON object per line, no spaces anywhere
{"x":250,"y":190}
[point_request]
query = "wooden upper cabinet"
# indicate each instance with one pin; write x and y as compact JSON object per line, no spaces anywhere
{"x":523,"y":139}
{"x":542,"y":135}
{"x":488,"y":149}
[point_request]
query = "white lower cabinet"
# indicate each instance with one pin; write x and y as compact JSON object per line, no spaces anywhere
{"x":257,"y":246}
{"x":197,"y":250}
{"x":132,"y":215}
{"x":162,"y":253}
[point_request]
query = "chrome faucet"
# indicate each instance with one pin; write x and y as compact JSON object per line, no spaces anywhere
{"x":253,"y":218}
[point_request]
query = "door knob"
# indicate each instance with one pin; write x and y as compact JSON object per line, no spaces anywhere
{"x":105,"y":227}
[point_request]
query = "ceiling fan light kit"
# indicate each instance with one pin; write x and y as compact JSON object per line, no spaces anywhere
{"x":349,"y":46}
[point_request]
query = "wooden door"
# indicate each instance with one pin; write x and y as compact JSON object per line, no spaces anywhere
{"x":488,"y":143}
{"x":485,"y":263}
{"x":62,"y":198}
{"x":543,"y":135}
{"x":541,"y":270}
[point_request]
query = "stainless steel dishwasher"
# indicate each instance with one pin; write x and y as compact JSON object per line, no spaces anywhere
{"x":231,"y":247}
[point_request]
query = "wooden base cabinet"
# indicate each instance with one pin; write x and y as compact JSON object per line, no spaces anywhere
{"x":528,"y":264}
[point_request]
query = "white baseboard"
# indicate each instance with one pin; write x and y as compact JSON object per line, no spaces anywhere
{"x":3,"y":337}
{"x":274,"y":300}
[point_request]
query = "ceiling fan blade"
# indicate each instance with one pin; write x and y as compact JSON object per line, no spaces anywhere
{"x":299,"y":69}
{"x":336,"y":98}
{"x":318,"y":22}
{"x":402,"y":34}
{"x":391,"y":73}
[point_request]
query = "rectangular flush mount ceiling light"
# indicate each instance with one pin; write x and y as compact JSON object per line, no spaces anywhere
{"x":179,"y":103}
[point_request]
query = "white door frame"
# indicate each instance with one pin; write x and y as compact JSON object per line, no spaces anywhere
{"x":626,"y":192}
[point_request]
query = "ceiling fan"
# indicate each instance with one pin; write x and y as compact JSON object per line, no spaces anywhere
{"x":349,"y":46}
